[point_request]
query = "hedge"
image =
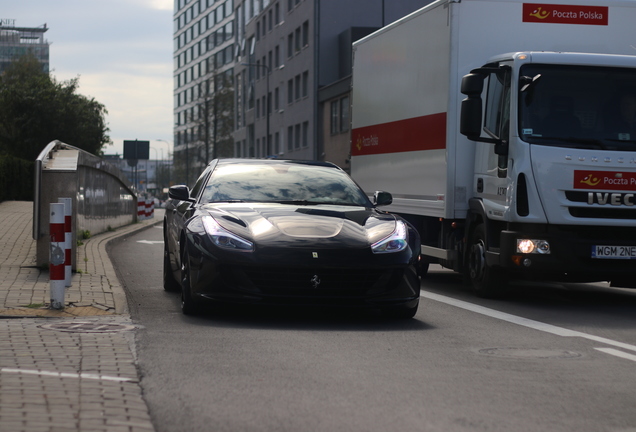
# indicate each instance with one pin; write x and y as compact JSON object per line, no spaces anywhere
{"x":16,"y":179}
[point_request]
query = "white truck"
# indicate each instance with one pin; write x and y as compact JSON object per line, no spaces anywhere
{"x":506,"y":133}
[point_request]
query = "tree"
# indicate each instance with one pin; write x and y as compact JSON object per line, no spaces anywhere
{"x":35,"y":109}
{"x":210,"y":120}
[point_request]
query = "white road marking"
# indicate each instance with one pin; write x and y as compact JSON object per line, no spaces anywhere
{"x":537,"y":325}
{"x":617,"y":353}
{"x":69,"y":375}
{"x":150,"y":241}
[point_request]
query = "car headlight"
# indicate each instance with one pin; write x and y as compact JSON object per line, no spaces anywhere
{"x":396,"y":242}
{"x":224,"y":238}
{"x":531,"y":246}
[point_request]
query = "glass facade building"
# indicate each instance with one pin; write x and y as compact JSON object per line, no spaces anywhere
{"x":18,"y":41}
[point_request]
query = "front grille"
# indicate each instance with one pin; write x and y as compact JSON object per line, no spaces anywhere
{"x":597,"y":212}
{"x":602,"y":213}
{"x":337,"y":282}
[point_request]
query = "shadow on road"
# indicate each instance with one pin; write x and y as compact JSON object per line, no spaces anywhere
{"x":302,"y":318}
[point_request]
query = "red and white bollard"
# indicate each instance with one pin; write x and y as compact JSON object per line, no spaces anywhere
{"x":57,"y":255}
{"x":68,"y":240}
{"x":150,"y":208}
{"x":141,"y":209}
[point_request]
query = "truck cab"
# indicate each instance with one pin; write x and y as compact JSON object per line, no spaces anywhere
{"x":555,"y":167}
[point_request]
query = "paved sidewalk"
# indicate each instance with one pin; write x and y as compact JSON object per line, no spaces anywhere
{"x":68,"y":370}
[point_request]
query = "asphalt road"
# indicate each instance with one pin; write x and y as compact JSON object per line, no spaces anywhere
{"x":546,"y":358}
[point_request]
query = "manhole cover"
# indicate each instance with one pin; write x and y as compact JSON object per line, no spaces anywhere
{"x":530,"y":353}
{"x":87,"y":327}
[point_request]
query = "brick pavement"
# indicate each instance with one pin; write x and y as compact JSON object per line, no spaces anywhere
{"x":68,"y":370}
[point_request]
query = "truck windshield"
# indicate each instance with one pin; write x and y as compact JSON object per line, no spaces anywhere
{"x":579,"y":107}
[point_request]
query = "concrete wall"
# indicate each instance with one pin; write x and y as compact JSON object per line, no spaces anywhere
{"x":102,"y":197}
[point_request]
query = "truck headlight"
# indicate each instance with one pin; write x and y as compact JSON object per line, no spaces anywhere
{"x":532,"y":246}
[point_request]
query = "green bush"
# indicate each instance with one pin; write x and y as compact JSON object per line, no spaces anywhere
{"x":16,"y":179}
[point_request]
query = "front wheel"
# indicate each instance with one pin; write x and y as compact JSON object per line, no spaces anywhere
{"x":169,"y":283}
{"x":488,"y":282}
{"x":189,"y":306}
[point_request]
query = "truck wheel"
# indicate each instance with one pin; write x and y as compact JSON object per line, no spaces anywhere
{"x":487,"y":281}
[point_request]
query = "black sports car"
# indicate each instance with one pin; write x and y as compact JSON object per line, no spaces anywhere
{"x":287,"y":232}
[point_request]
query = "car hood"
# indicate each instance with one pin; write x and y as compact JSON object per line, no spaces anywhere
{"x":270,"y":224}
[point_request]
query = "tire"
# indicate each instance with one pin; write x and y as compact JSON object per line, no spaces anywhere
{"x":422,"y":267}
{"x":169,"y":283}
{"x":487,"y":282}
{"x":401,"y":312}
{"x":189,"y":306}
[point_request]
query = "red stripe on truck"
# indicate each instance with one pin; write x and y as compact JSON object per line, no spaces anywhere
{"x":419,"y":133}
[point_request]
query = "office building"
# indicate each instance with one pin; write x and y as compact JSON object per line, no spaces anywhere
{"x":292,"y":78}
{"x":18,"y":41}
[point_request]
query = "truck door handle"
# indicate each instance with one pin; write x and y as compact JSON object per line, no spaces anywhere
{"x":480,"y":185}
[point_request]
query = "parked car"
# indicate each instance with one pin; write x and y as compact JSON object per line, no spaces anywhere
{"x":287,"y":232}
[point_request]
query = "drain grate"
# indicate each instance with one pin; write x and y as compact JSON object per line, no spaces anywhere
{"x":530,"y":353}
{"x":87,"y":327}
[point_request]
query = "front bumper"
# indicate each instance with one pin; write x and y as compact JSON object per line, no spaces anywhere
{"x":352,"y":278}
{"x":570,"y":257}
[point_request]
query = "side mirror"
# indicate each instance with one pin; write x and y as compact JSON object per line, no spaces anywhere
{"x":470,"y":117}
{"x":381,"y":198}
{"x":471,"y":107}
{"x":179,"y":192}
{"x":472,"y":84}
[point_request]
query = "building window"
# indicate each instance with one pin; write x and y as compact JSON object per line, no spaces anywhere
{"x":344,"y":114}
{"x":297,"y":36}
{"x":335,"y":116}
{"x":276,"y":99}
{"x":290,"y":91}
{"x":306,"y":134}
{"x":306,"y":33}
{"x":276,"y":143}
{"x":305,"y":84}
{"x":290,"y":45}
{"x":290,"y":138}
{"x":297,"y":136}
{"x":297,"y":79}
{"x":277,"y":12}
{"x":339,"y":116}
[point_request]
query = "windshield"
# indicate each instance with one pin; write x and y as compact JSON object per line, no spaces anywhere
{"x":282,"y":182}
{"x":581,"y":107}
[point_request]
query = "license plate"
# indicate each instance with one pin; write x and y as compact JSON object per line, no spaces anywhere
{"x":614,"y":252}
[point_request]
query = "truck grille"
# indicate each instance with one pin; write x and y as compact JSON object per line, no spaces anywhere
{"x":597,"y":212}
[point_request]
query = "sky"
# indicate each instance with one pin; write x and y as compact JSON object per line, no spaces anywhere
{"x":121,"y":50}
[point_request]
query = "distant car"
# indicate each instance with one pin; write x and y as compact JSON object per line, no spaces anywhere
{"x":287,"y":232}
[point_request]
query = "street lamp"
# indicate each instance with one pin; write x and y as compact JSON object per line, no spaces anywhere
{"x":163,"y":161}
{"x":267,"y":150}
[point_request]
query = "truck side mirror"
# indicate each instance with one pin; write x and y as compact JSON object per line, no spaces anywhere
{"x":472,"y":84}
{"x":471,"y":108}
{"x":381,"y":198}
{"x":470,"y":120}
